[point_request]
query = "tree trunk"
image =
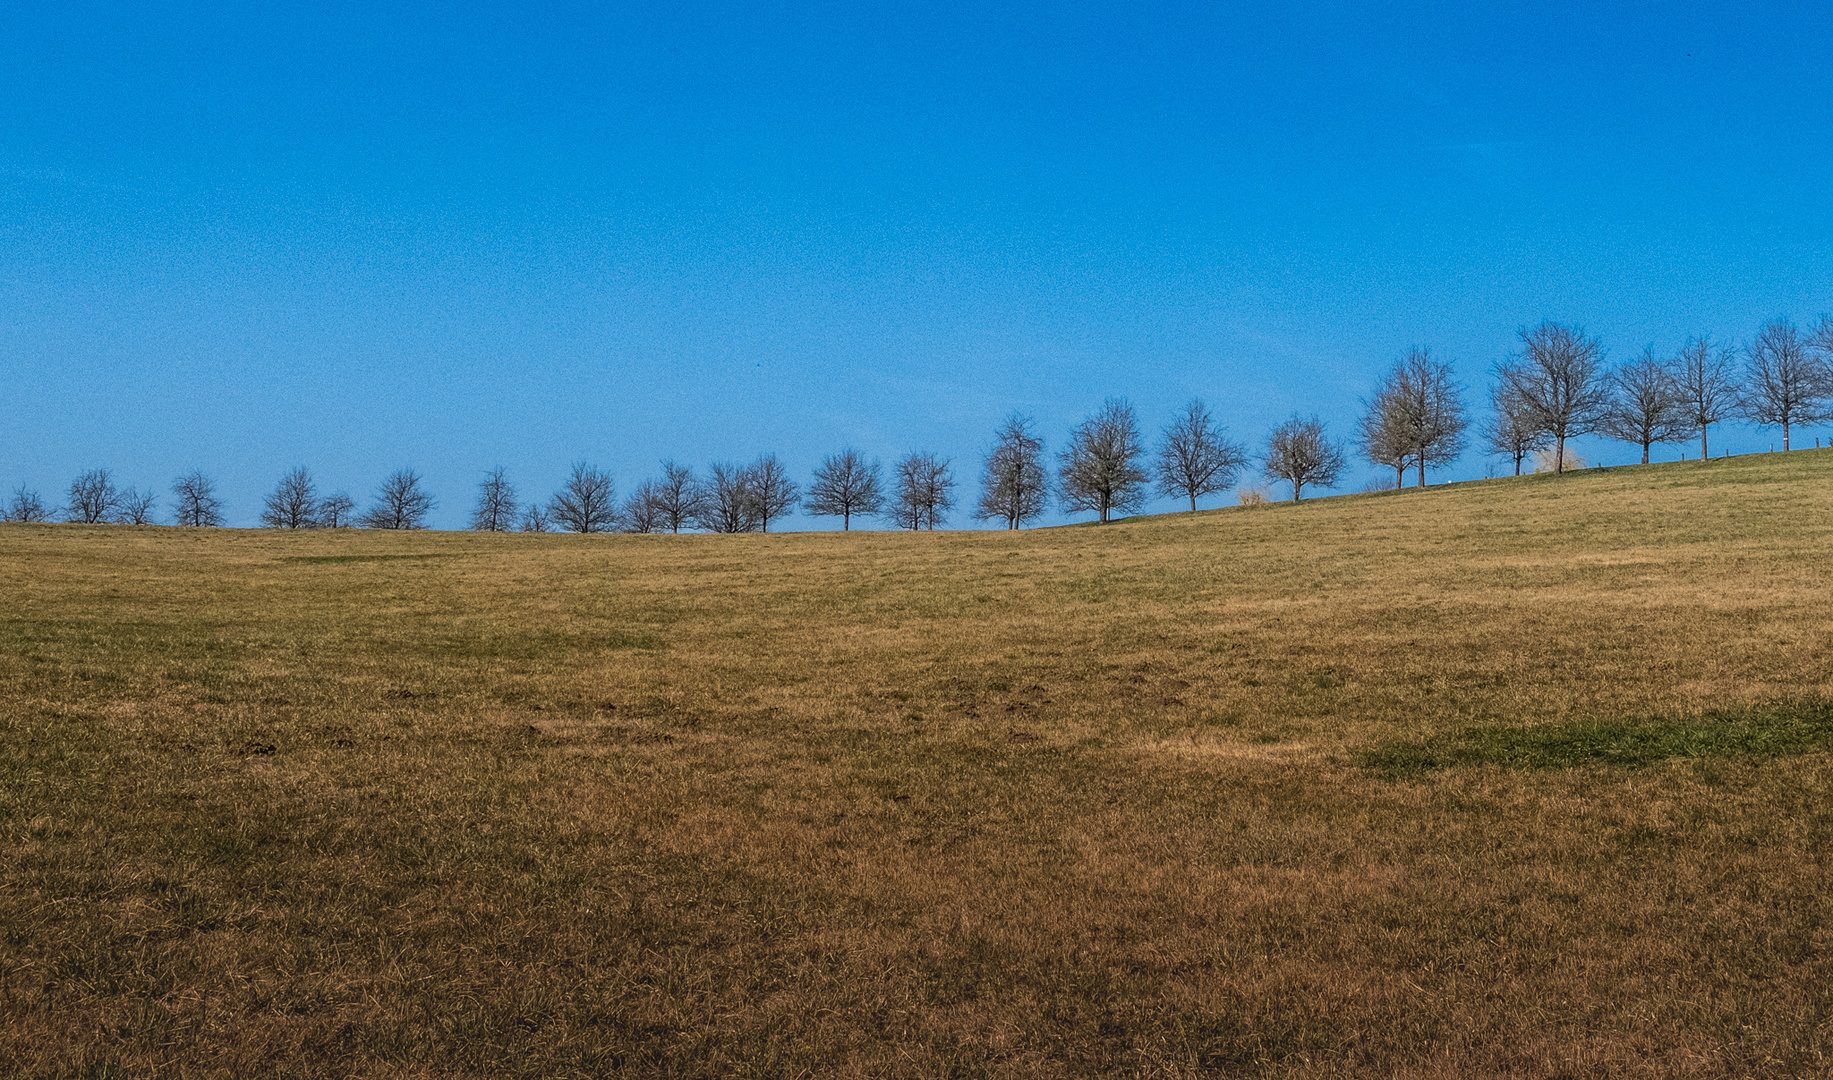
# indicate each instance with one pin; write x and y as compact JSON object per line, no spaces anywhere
{"x":1295,"y":490}
{"x":1422,"y":470}
{"x":1785,"y":436}
{"x":1400,"y":476}
{"x":1559,"y":455}
{"x":1702,"y":443}
{"x":1193,"y":502}
{"x":1645,"y":453}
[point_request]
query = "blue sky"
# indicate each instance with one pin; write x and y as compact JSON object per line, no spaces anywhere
{"x":362,"y":236}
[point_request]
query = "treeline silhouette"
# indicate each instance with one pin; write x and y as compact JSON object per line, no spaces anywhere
{"x":1555,"y":388}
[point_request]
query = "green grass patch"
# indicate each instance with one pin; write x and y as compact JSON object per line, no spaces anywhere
{"x":1627,"y":744}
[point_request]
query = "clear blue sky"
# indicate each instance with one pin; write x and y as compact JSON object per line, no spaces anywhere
{"x":241,"y":238}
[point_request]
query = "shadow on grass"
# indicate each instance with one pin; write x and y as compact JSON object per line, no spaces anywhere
{"x":1630,"y":744}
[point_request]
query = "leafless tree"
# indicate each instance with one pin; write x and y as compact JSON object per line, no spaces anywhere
{"x":925,"y":492}
{"x":334,"y":511}
{"x":1707,"y":386}
{"x":1099,"y":469}
{"x":642,"y":511}
{"x":586,"y":503}
{"x":772,"y":492}
{"x":1383,"y":432}
{"x":534,"y":519}
{"x":194,"y":501}
{"x":846,"y":484}
{"x":1820,"y":340}
{"x":677,"y":496}
{"x":400,"y":503}
{"x":1645,"y":406}
{"x":1433,"y":410}
{"x":1557,"y":381}
{"x":293,"y":504}
{"x":725,"y":504}
{"x":136,"y":507}
{"x":1299,"y":454}
{"x":1013,"y":485}
{"x":26,"y":507}
{"x":1511,"y":430}
{"x":1783,"y":382}
{"x":1196,"y":458}
{"x":496,"y":503}
{"x":94,"y":497}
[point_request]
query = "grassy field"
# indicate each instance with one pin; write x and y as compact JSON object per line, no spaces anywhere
{"x":1511,"y":778}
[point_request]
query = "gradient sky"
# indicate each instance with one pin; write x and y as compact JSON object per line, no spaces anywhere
{"x":241,"y":238}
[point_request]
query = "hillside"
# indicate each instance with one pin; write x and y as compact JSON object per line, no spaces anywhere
{"x":1525,"y":777}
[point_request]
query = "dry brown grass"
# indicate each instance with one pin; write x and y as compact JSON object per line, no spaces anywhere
{"x":1065,"y":802}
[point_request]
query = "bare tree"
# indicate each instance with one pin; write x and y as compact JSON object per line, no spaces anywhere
{"x":194,"y":501}
{"x":1099,"y":469}
{"x":1298,"y":453}
{"x":1416,"y":416}
{"x":1435,"y":412}
{"x":1783,"y":383}
{"x":925,"y":492}
{"x":1820,"y":339}
{"x":293,"y":504}
{"x":1013,"y":485}
{"x":846,"y":484}
{"x":334,"y":511}
{"x":1645,"y":406}
{"x":725,"y":504}
{"x":26,"y":507}
{"x":136,"y":507}
{"x":534,"y":519}
{"x":1558,"y":383}
{"x":496,"y":503}
{"x":1383,"y":433}
{"x":772,"y":492}
{"x":1196,"y":458}
{"x":400,"y":503}
{"x":642,"y":511}
{"x":94,"y":497}
{"x":677,"y":496}
{"x":1512,"y":430}
{"x":586,"y":503}
{"x":1707,"y":387}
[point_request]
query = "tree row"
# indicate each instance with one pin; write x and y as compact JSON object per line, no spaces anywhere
{"x":1552,"y":390}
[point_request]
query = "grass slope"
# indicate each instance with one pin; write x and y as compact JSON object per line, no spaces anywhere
{"x":1520,"y":777}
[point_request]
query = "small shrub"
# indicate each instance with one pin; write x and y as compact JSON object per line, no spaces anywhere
{"x":1544,"y":460}
{"x":1251,"y":497}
